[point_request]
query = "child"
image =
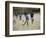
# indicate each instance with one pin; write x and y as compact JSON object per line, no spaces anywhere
{"x":32,"y":17}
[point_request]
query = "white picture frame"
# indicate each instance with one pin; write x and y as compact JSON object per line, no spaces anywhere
{"x":9,"y":18}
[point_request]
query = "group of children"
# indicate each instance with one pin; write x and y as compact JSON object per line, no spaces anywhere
{"x":27,"y":18}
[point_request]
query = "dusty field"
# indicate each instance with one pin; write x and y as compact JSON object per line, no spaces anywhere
{"x":18,"y":25}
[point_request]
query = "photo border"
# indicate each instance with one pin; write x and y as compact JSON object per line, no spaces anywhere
{"x":7,"y":18}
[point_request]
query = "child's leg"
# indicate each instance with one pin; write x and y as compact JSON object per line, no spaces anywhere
{"x":24,"y":22}
{"x":32,"y":20}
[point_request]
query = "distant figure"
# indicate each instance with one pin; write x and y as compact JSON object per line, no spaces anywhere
{"x":32,"y":17}
{"x":26,"y":19}
{"x":20,"y":17}
{"x":14,"y":21}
